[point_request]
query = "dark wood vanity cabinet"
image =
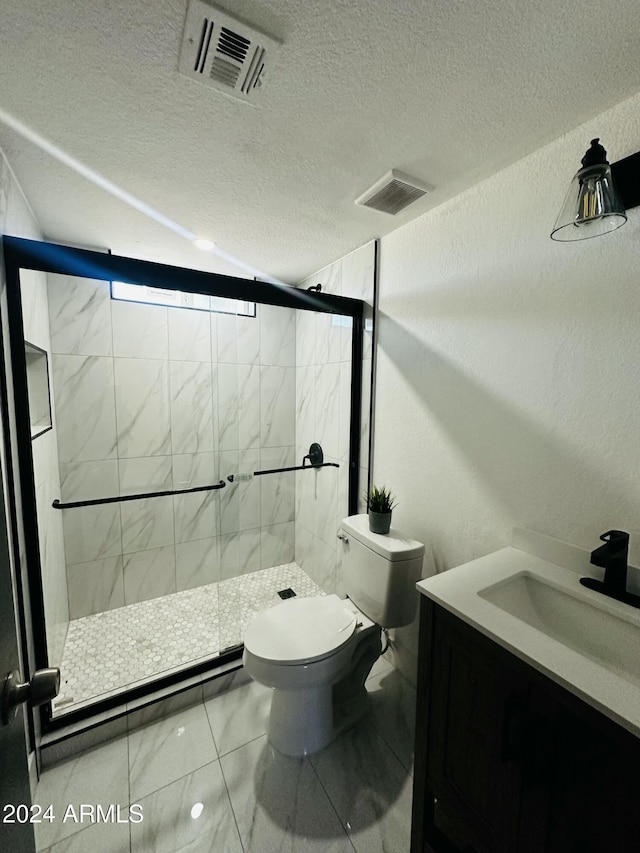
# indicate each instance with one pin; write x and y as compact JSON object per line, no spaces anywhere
{"x":509,"y":762}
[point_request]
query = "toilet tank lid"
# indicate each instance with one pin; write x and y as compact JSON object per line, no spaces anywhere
{"x":392,"y":546}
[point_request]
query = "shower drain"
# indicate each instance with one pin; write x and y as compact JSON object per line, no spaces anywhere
{"x":286,"y":593}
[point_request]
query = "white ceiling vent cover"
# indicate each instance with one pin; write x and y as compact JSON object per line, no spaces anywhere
{"x":393,"y":192}
{"x":223,"y":52}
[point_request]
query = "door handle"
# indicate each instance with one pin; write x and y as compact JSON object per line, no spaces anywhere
{"x":44,"y":686}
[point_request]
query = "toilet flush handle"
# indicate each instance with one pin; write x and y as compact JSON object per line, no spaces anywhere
{"x":344,"y":538}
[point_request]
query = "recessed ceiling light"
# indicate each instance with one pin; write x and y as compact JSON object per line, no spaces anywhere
{"x":204,"y":245}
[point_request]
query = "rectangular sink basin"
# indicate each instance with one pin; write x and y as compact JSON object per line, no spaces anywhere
{"x":596,"y":633}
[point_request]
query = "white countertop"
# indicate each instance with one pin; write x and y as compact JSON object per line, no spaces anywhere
{"x":458,"y":591}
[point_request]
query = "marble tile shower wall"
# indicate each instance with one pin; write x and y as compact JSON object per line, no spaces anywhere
{"x":33,"y":288}
{"x":16,"y":218}
{"x":149,"y":399}
{"x":323,"y":400}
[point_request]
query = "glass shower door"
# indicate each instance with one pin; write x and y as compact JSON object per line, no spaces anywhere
{"x":171,"y":501}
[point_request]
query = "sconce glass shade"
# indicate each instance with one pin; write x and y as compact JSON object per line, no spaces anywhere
{"x":592,"y":206}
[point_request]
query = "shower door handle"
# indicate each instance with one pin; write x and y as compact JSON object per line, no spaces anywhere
{"x":44,"y":686}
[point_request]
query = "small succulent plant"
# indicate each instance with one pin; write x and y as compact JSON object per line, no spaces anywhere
{"x":380,"y":499}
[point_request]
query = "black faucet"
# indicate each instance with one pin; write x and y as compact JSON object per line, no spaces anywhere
{"x":612,"y":557}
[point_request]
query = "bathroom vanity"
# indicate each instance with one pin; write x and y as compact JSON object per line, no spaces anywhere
{"x":528,"y":716}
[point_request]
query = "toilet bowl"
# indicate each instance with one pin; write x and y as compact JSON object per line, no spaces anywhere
{"x":308,"y":650}
{"x":316,"y":652}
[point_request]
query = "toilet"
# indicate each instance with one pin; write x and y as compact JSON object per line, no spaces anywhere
{"x":316,"y":652}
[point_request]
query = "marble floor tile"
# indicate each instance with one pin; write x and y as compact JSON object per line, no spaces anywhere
{"x":280,"y":804}
{"x":242,"y":598}
{"x":103,"y":837}
{"x":238,"y":715}
{"x":191,"y":814}
{"x":119,"y":648}
{"x":207,"y":749}
{"x":393,"y":713}
{"x":369,"y":789}
{"x":355,"y":795}
{"x":165,"y":750}
{"x":227,"y":681}
{"x":99,"y":776}
{"x":163,"y":705}
{"x":383,"y":664}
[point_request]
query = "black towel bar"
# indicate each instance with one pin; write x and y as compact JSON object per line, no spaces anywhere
{"x":120,"y":498}
{"x":315,"y":457}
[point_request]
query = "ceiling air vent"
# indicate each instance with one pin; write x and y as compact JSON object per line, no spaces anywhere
{"x":223,"y":52}
{"x":393,"y":192}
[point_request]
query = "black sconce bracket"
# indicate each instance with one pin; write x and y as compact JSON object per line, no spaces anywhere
{"x":626,"y":178}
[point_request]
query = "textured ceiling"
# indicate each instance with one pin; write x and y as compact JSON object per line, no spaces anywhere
{"x":446,"y":90}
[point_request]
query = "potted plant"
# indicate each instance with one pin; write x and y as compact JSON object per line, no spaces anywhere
{"x":380,"y":502}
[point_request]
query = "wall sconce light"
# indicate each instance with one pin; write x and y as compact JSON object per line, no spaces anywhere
{"x":598,"y":196}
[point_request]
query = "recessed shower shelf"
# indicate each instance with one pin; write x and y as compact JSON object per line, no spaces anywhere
{"x":38,"y":389}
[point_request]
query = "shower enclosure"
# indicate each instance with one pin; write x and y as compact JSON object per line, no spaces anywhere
{"x":184,"y":446}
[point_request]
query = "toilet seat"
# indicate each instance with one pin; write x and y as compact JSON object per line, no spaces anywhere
{"x":300,"y":630}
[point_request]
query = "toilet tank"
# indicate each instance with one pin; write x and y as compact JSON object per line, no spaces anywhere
{"x":380,"y":572}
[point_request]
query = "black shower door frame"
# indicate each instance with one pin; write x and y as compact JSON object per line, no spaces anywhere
{"x":19,"y":254}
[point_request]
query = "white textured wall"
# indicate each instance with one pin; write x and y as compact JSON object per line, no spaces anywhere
{"x":508,"y":378}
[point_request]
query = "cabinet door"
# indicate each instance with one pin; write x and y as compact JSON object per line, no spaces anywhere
{"x":476,"y":740}
{"x":582,"y":781}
